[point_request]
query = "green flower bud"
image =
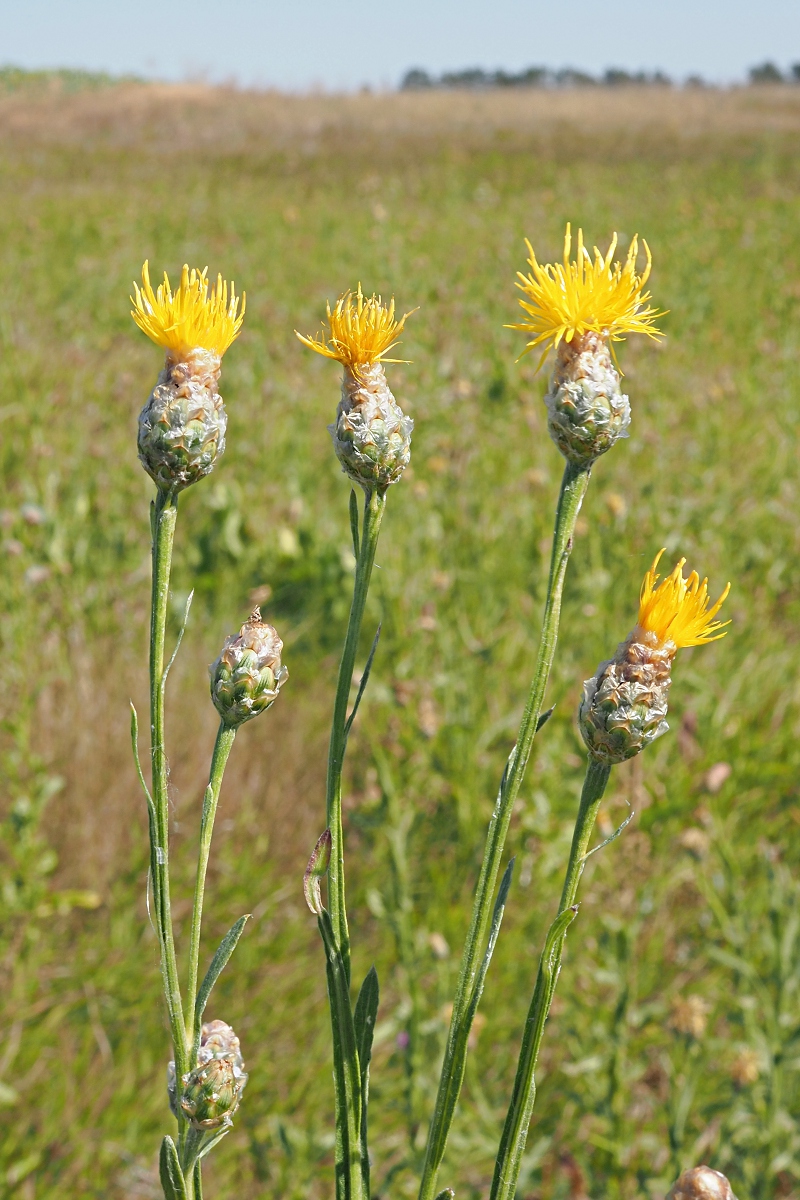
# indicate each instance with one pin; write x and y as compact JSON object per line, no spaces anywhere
{"x":213,"y":1090}
{"x":624,"y":705}
{"x":587,"y":413}
{"x":247,"y":676}
{"x":182,"y":426}
{"x":371,"y":435}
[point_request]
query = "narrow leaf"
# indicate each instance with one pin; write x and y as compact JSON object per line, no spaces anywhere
{"x":364,"y":1023}
{"x":209,"y":1145}
{"x":611,"y":838}
{"x":364,"y":680}
{"x":354,"y":521}
{"x":497,"y":917}
{"x":364,"y":1018}
{"x":169,"y":1169}
{"x":135,"y":748}
{"x":545,"y":717}
{"x":198,"y":1173}
{"x":346,"y":1070}
{"x":168,"y":667}
{"x":218,"y":963}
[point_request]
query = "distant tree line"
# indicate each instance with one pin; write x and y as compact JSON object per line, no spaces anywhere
{"x":476,"y":79}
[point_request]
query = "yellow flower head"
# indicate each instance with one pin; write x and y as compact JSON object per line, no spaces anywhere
{"x":677,"y":609}
{"x":190,"y":318}
{"x":362,"y":331}
{"x":588,"y":294}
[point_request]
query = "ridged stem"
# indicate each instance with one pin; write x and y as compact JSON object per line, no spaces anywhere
{"x":222,"y":748}
{"x":573,"y":489}
{"x":164,"y":514}
{"x":515,"y":1131}
{"x":374,"y":505}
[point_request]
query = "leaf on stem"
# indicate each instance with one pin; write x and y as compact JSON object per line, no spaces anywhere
{"x":364,"y":1021}
{"x":168,"y":667}
{"x":497,"y":917}
{"x":317,"y":867}
{"x":612,"y":837}
{"x":354,"y":521}
{"x":364,"y":681}
{"x":545,"y":717}
{"x":218,"y":964}
{"x":169,"y":1169}
{"x":209,"y":1145}
{"x":135,"y":748}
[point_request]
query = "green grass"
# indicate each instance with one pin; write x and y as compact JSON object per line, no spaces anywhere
{"x":710,"y":471}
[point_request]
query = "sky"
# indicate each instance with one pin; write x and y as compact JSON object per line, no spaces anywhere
{"x":301,"y":44}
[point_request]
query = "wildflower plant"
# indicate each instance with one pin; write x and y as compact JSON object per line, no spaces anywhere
{"x":580,"y":309}
{"x":181,"y":436}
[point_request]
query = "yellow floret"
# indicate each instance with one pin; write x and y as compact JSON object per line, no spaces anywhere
{"x":362,"y":331}
{"x":677,"y":609}
{"x":588,"y":294}
{"x":192,"y":317}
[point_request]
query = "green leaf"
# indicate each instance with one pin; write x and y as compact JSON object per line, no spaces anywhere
{"x":354,"y":521}
{"x":362,"y":687}
{"x":209,"y":1145}
{"x":346,"y":1070}
{"x":545,"y":717}
{"x":169,"y":1168}
{"x":218,"y":963}
{"x":497,"y":917}
{"x":364,"y":1022}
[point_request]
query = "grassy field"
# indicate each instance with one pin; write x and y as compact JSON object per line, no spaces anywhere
{"x":675,"y":1036}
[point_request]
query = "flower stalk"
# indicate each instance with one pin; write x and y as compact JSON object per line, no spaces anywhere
{"x":618,"y":717}
{"x":573,"y":489}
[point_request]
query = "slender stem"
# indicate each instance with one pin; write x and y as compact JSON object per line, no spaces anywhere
{"x":222,"y":748}
{"x":573,"y":489}
{"x":164,"y":517}
{"x":515,"y":1132}
{"x":374,"y":505}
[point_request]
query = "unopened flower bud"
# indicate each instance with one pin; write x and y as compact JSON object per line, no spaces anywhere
{"x":317,"y":867}
{"x":247,"y":676}
{"x":182,"y":426}
{"x":586,"y":411}
{"x":624,"y":705}
{"x":372,"y":434}
{"x":212,"y":1091}
{"x":701,"y":1183}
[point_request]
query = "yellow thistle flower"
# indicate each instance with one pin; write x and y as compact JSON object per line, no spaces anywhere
{"x":677,"y":609}
{"x":190,"y":318}
{"x":562,"y":301}
{"x":362,"y":332}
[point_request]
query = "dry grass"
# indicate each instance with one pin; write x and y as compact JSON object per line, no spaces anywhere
{"x":196,"y":117}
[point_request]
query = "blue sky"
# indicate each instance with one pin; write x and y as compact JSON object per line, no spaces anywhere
{"x":306,"y":43}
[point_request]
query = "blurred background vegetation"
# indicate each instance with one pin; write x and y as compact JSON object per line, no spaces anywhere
{"x":674,"y":1037}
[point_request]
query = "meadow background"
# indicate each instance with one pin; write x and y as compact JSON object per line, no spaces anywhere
{"x":675,"y":1037}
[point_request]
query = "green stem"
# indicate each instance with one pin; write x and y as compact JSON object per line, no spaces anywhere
{"x":374,"y":505}
{"x":573,"y":489}
{"x":515,"y":1132}
{"x":222,"y":748}
{"x":164,"y":516}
